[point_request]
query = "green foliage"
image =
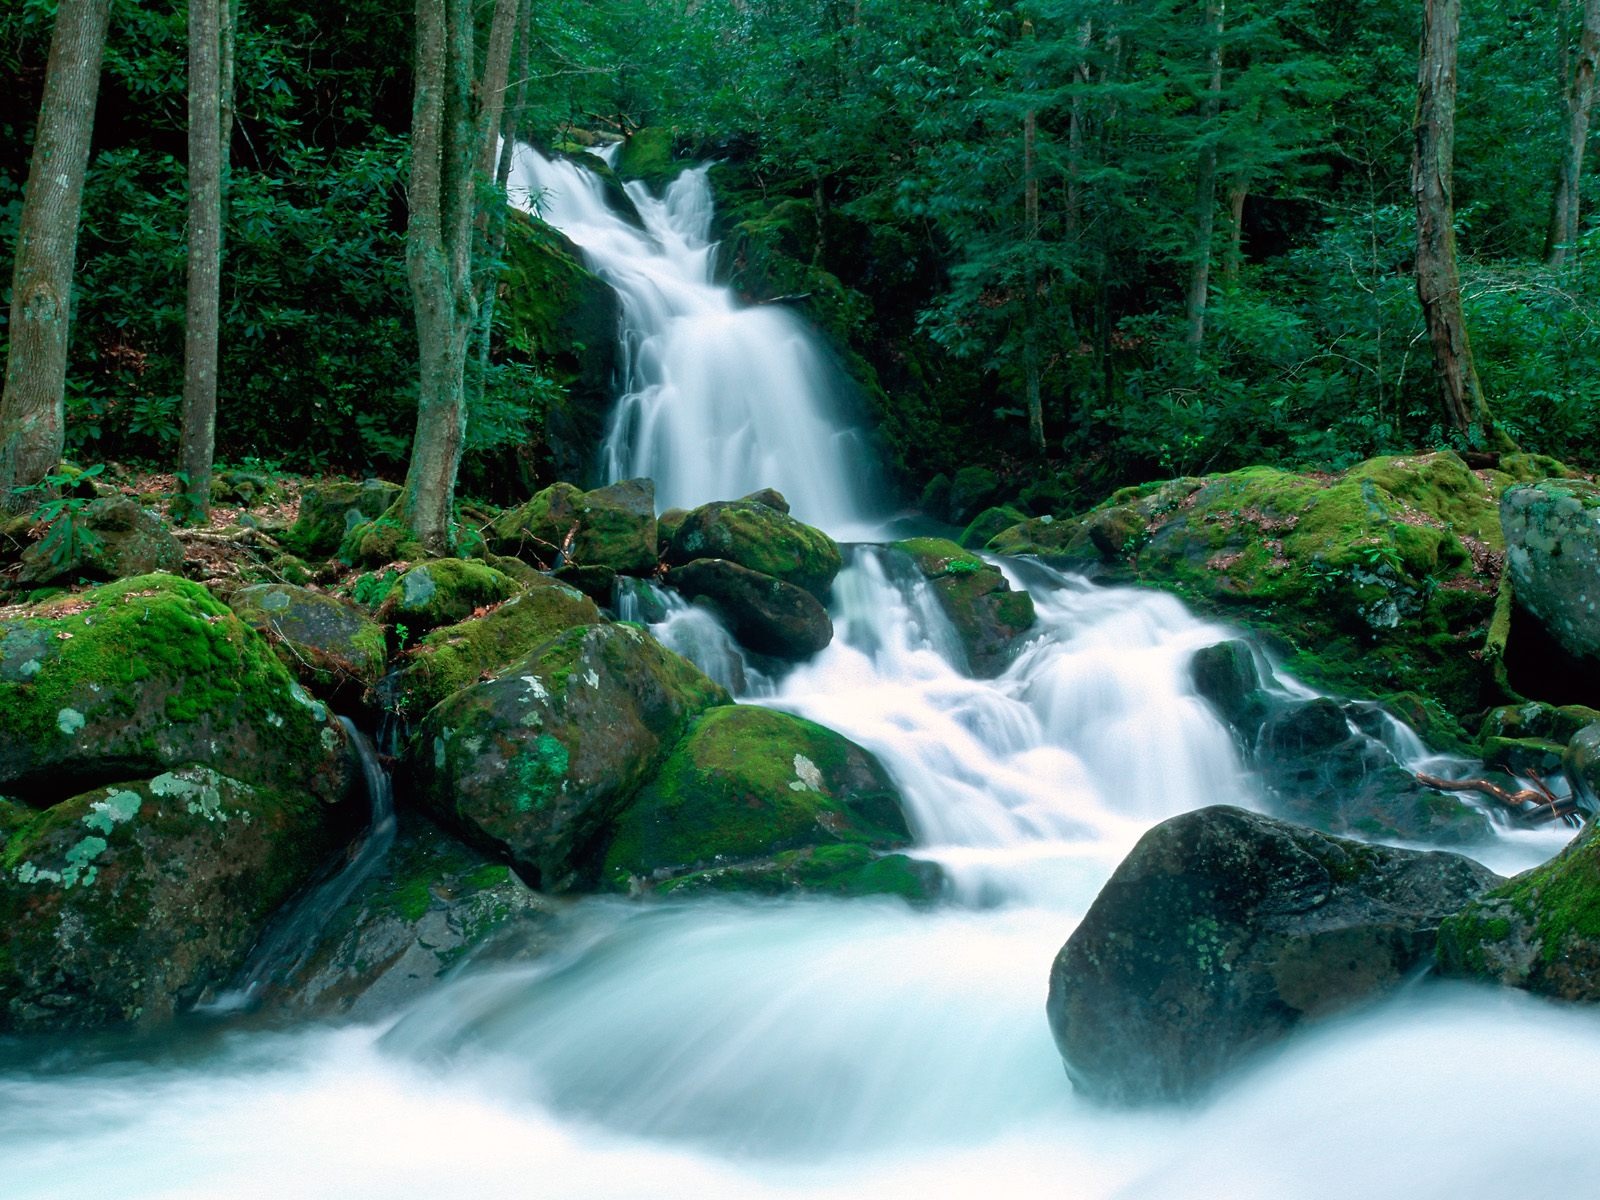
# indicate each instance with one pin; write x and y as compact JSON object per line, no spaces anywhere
{"x":67,"y":538}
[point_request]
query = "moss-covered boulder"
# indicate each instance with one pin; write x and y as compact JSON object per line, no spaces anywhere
{"x":534,"y":764}
{"x":110,"y":538}
{"x":988,"y":523}
{"x":744,"y":786}
{"x":329,"y":643}
{"x":1223,"y":931}
{"x":331,"y":509}
{"x":1382,"y":579}
{"x":612,"y":527}
{"x":122,"y":904}
{"x":1552,"y":532}
{"x":148,"y":674}
{"x":458,"y":656}
{"x":988,"y":617}
{"x":247,"y":489}
{"x":765,"y":614}
{"x":646,"y":155}
{"x":759,"y":538}
{"x":378,"y":542}
{"x":971,"y":491}
{"x":442,"y":592}
{"x":1539,"y":932}
{"x":432,"y":904}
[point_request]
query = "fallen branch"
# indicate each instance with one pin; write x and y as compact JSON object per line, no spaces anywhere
{"x":1544,"y":801}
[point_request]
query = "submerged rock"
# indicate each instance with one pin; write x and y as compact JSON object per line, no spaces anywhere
{"x":328,"y":642}
{"x":121,"y":905}
{"x":1222,"y":932}
{"x":988,"y":617}
{"x":612,"y":527}
{"x":765,"y":614}
{"x":533,"y":765}
{"x":1552,"y":532}
{"x":745,"y":786}
{"x":1540,"y":932}
{"x":110,"y":538}
{"x":759,"y":538}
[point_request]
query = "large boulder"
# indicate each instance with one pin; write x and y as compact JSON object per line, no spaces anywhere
{"x":534,"y":764}
{"x":122,"y":904}
{"x":147,"y":674}
{"x":765,"y":614}
{"x":1381,"y":579}
{"x":988,"y":617}
{"x":1223,"y":931}
{"x":745,"y":785}
{"x":331,"y":509}
{"x":458,"y":656}
{"x":1539,"y":932}
{"x":109,"y":538}
{"x":760,"y":538}
{"x":330,"y":643}
{"x":612,"y":527}
{"x":442,"y":592}
{"x":1552,"y":532}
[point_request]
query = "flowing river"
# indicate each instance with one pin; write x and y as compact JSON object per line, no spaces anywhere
{"x":812,"y":1048}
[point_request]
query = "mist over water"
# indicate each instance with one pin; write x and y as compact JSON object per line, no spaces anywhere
{"x":825,"y":1048}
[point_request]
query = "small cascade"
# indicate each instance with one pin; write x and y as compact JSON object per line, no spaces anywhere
{"x":291,"y":939}
{"x":694,"y":632}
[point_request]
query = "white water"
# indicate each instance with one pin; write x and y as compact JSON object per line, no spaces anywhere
{"x":810,"y":1048}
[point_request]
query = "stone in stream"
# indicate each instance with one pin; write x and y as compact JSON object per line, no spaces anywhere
{"x":758,"y":537}
{"x":1222,"y":932}
{"x":765,"y":614}
{"x":988,"y":617}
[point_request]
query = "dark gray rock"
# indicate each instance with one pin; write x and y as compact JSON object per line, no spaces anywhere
{"x":1222,"y":932}
{"x":765,"y":614}
{"x":1553,"y":553}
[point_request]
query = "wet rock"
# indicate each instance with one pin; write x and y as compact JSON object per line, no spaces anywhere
{"x":1581,"y":761}
{"x":1539,"y":932}
{"x":759,"y":538}
{"x":988,"y":523}
{"x":771,"y":497}
{"x":1552,"y":532}
{"x":534,"y":764}
{"x":988,"y":617}
{"x":148,"y":674}
{"x":1222,"y":932}
{"x":612,"y":527}
{"x":110,"y":538}
{"x":329,"y":643}
{"x":1225,"y":675}
{"x":765,"y":614}
{"x":457,"y":656}
{"x":442,"y":592}
{"x":745,"y":785}
{"x":331,"y":509}
{"x":121,"y":905}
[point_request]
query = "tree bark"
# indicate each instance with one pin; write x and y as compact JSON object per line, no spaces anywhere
{"x":33,"y":404}
{"x":208,"y":48}
{"x":1578,"y":77}
{"x":1238,"y":192}
{"x":1438,"y":282}
{"x":1030,"y":306}
{"x":1205,"y":186}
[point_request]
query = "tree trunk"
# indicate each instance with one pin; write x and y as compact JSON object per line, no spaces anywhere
{"x":1578,"y":77}
{"x":33,"y":404}
{"x":1438,"y":283}
{"x":1238,"y":192}
{"x":1030,"y":305}
{"x":1205,"y":186}
{"x":209,"y":47}
{"x":449,"y":137}
{"x":1075,"y":132}
{"x":510,"y":130}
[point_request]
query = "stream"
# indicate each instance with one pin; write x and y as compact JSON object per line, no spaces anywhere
{"x":829,"y":1048}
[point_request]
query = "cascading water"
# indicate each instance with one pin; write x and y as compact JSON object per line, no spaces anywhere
{"x":809,"y":1048}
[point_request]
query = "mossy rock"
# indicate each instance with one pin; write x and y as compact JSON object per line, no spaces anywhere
{"x":646,"y":155}
{"x":378,"y":542}
{"x":533,"y":765}
{"x":147,"y":674}
{"x":433,"y":904}
{"x":112,"y":538}
{"x":332,"y":508}
{"x":988,"y":523}
{"x":749,"y":783}
{"x":1225,"y":675}
{"x":1552,"y":532}
{"x":442,"y":592}
{"x":1383,"y":579}
{"x":1581,"y":762}
{"x":1532,"y":719}
{"x":971,"y":491}
{"x":765,"y":614}
{"x":759,"y":538}
{"x":612,"y":527}
{"x":1539,"y":932}
{"x":329,"y":643}
{"x":458,"y":656}
{"x":247,"y":489}
{"x":122,"y":904}
{"x":1522,"y":756}
{"x":988,"y":617}
{"x":847,"y":870}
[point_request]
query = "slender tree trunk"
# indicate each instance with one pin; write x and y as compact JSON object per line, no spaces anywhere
{"x":1578,"y":76}
{"x":208,"y":49}
{"x":511,"y":130}
{"x":452,"y":137}
{"x":1205,"y":186}
{"x":1238,"y":192}
{"x":1438,"y":282}
{"x":1075,"y":131}
{"x":1030,"y":305}
{"x":33,"y":404}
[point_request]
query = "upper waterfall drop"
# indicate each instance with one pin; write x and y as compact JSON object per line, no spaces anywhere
{"x":716,"y":400}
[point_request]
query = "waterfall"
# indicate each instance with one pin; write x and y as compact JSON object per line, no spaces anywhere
{"x":717,"y":400}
